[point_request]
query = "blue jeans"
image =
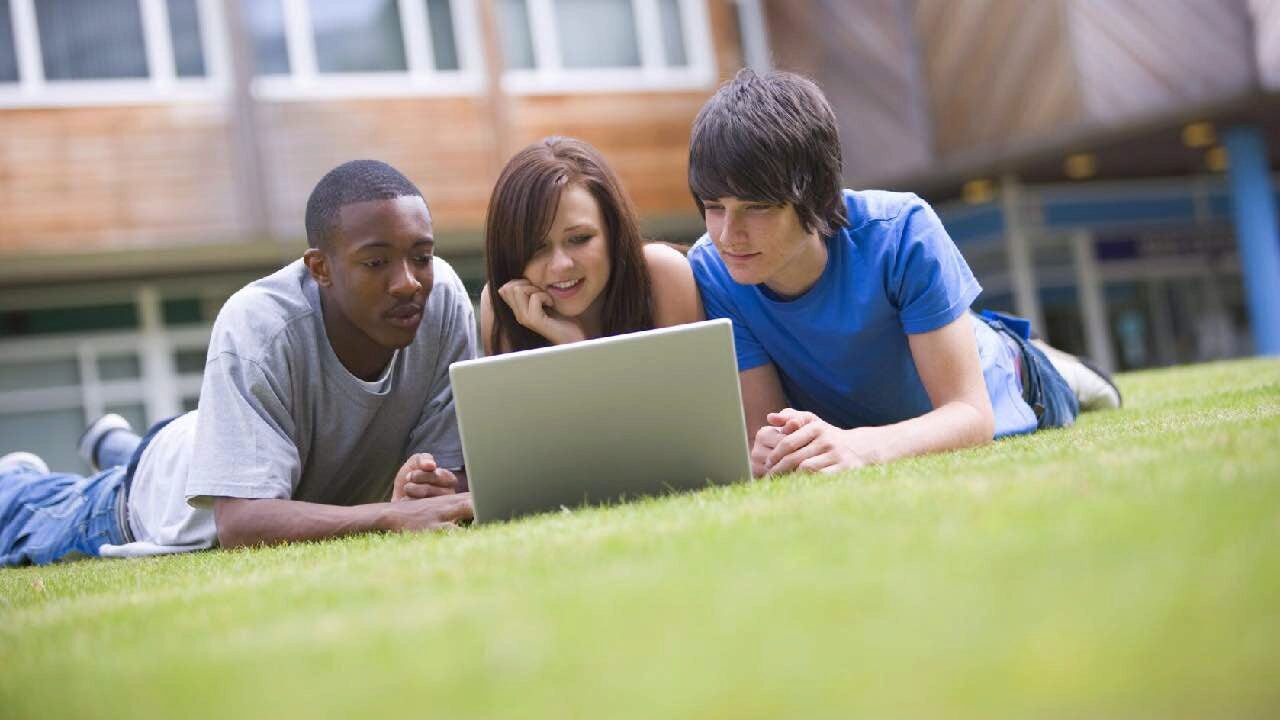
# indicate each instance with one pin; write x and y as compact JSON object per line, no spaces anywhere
{"x":1045,"y":390}
{"x":59,"y":516}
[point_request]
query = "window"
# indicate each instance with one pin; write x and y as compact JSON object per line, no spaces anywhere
{"x":444,"y":45}
{"x":27,"y":374}
{"x":46,"y":433}
{"x":673,"y":42}
{"x":111,"y":51}
{"x":264,"y":21}
{"x":188,"y":45}
{"x":357,"y":36}
{"x":91,"y":39}
{"x":305,"y":48}
{"x":336,"y":47}
{"x":88,"y":51}
{"x":125,"y":366}
{"x":8,"y":54}
{"x":73,"y":362}
{"x":597,"y":33}
{"x":567,"y":45}
{"x":517,"y":37}
{"x":50,"y":389}
{"x":46,"y":321}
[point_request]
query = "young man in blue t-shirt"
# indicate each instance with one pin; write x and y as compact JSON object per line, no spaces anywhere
{"x":851,"y":316}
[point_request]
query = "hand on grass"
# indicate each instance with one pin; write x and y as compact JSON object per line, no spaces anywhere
{"x":534,"y":309}
{"x":433,"y":513}
{"x":795,"y":440}
{"x":420,"y":477}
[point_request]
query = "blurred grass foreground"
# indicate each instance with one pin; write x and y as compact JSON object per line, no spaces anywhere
{"x":1129,"y":566}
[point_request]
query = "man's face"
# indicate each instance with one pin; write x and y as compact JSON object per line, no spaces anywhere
{"x":379,"y":271}
{"x":759,"y":242}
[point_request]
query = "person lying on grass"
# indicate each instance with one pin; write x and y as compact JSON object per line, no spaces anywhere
{"x":850,"y":309}
{"x":565,"y":260}
{"x":321,"y":379}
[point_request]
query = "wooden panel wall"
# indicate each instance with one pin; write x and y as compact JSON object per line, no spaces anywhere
{"x":645,"y":137}
{"x":78,"y":178}
{"x":1138,"y":58}
{"x":998,"y":70}
{"x":864,"y":57}
{"x":83,"y":178}
{"x":445,"y":146}
{"x":439,"y":143}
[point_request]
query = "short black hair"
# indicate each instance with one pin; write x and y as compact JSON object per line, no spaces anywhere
{"x":770,"y":137}
{"x":351,"y":182}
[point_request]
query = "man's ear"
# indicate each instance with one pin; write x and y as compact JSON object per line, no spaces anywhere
{"x":318,"y":265}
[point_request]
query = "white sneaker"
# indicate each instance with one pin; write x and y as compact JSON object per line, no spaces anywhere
{"x":91,"y":439}
{"x":15,"y":460}
{"x":1092,"y":386}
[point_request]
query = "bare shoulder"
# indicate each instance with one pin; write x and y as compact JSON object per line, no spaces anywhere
{"x":660,"y":254}
{"x":675,"y":293}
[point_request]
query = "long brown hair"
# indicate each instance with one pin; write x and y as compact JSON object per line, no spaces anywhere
{"x":521,"y":210}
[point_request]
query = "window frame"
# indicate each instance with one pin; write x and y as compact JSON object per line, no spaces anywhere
{"x":161,"y":84}
{"x":304,"y":81}
{"x":421,"y":79}
{"x":549,"y":76}
{"x":160,"y":388}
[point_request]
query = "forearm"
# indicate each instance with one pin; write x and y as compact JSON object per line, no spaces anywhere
{"x":951,"y":371}
{"x":268,"y":521}
{"x":952,"y":426}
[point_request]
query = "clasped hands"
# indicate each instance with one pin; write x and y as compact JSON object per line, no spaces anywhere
{"x":797,"y":440}
{"x":420,"y":477}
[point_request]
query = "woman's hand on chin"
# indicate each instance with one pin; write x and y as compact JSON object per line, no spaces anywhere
{"x":533,"y":309}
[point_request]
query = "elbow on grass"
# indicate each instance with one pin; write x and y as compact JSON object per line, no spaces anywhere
{"x":982,"y":428}
{"x":985,"y":427}
{"x":229,"y":519}
{"x":230,"y":537}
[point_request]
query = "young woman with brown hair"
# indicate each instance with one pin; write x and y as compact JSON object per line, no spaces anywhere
{"x":564,"y":257}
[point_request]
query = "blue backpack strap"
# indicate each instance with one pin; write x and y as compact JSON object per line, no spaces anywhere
{"x":1020,"y":326}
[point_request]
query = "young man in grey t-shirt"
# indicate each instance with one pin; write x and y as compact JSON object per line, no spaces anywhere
{"x":325,"y":409}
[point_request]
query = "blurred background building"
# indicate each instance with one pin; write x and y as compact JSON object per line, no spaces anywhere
{"x":1105,"y":165}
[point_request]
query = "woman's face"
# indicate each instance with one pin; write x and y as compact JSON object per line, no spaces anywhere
{"x":572,"y":263}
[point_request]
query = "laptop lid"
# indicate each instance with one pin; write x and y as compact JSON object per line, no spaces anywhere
{"x":601,"y":420}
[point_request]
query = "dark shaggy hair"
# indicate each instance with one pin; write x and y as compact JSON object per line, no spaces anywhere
{"x":521,"y":210}
{"x":770,"y":138}
{"x":351,"y":182}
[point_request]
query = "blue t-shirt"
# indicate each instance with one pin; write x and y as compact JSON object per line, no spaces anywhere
{"x":841,"y":348}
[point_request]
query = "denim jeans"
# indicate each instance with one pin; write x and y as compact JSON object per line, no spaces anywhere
{"x":59,"y":516}
{"x":1046,"y":391}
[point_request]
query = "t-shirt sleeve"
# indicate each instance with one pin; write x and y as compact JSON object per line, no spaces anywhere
{"x":930,"y":283}
{"x":436,"y":431}
{"x":243,"y":445}
{"x":718,"y":302}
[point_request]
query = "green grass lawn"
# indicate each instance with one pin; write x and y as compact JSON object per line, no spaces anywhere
{"x":1127,"y":567}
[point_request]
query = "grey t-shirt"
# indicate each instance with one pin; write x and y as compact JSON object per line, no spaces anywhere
{"x":281,"y":417}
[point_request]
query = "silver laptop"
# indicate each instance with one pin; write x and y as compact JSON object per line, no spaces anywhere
{"x":601,"y":420}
